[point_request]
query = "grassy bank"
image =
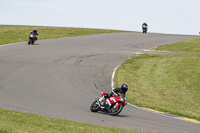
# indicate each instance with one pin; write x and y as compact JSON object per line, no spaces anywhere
{"x":12,"y":121}
{"x":188,"y":46}
{"x":13,"y":33}
{"x":165,"y":82}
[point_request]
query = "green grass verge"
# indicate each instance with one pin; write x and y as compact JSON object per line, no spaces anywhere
{"x":189,"y":46}
{"x":164,"y":82}
{"x":13,"y":33}
{"x":13,"y":121}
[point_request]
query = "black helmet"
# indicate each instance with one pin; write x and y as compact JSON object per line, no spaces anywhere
{"x":124,"y":87}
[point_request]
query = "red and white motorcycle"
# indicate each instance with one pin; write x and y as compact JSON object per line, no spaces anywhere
{"x":32,"y":38}
{"x":115,"y":104}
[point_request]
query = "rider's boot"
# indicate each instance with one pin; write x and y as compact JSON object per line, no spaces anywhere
{"x":107,"y":106}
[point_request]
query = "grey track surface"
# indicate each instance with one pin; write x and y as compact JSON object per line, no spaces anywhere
{"x":61,"y":77}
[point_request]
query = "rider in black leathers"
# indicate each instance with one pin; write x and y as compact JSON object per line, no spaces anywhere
{"x":121,"y":90}
{"x":144,"y":27}
{"x":35,"y":32}
{"x":115,"y":92}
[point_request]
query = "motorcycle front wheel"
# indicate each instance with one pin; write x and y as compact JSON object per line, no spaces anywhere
{"x":115,"y":111}
{"x":94,"y":107}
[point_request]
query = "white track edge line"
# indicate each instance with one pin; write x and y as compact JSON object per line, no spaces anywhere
{"x":113,"y":76}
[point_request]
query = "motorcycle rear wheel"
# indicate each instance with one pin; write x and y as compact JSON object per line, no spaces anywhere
{"x":94,"y":107}
{"x":116,"y":111}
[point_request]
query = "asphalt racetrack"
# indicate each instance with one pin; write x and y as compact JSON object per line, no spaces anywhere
{"x":61,"y":77}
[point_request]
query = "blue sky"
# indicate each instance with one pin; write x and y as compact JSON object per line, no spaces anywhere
{"x":162,"y":16}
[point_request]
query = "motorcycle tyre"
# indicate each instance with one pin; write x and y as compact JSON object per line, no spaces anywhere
{"x":29,"y":42}
{"x":94,"y":109}
{"x":119,"y":109}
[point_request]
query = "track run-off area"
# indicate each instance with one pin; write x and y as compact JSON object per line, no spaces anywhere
{"x":61,"y":77}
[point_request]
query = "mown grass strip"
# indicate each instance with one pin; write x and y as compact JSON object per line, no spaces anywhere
{"x":164,"y":82}
{"x":13,"y":33}
{"x":13,"y":121}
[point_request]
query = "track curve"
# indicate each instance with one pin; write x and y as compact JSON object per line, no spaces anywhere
{"x":60,"y":78}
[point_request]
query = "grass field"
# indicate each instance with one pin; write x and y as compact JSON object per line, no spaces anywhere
{"x":12,"y":33}
{"x":164,"y":82}
{"x":17,"y":122}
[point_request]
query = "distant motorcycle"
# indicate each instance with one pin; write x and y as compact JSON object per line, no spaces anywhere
{"x":144,"y":28}
{"x":116,"y":104}
{"x":32,"y":38}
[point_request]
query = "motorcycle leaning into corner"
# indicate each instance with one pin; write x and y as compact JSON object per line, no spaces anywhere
{"x":113,"y":106}
{"x":32,"y":38}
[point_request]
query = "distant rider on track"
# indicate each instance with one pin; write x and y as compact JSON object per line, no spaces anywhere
{"x":35,"y":32}
{"x":144,"y":27}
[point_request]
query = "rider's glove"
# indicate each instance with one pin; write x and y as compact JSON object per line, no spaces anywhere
{"x":110,"y":94}
{"x":107,"y":96}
